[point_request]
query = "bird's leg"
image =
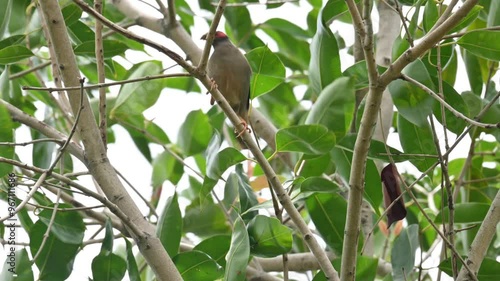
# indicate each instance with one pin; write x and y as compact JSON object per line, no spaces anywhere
{"x":245,"y":128}
{"x":213,"y":85}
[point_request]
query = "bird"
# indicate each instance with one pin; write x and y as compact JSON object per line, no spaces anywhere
{"x":230,"y":71}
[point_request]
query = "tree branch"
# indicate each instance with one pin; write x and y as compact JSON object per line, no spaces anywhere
{"x":97,"y":161}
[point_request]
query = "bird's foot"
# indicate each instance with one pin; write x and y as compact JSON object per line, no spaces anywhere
{"x":213,"y":85}
{"x":245,"y":128}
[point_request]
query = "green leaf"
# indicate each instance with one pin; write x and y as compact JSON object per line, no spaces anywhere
{"x":71,"y":13}
{"x":493,"y":14}
{"x":412,"y":102}
{"x":482,"y":43}
{"x":474,"y":71}
{"x":20,"y":263}
{"x":14,"y":53}
{"x":318,"y":184}
{"x":489,"y":270}
{"x":403,"y":252}
{"x":464,"y":213}
{"x":239,"y":253}
{"x":55,"y":260}
{"x":286,"y":26}
{"x":219,"y":161}
{"x":335,"y":107}
{"x":136,"y":97}
{"x":169,"y":227}
{"x":216,"y":247}
{"x":377,"y":149}
{"x":269,"y":238}
{"x":108,"y":267}
{"x":324,"y":66}
{"x":308,"y":139}
{"x":5,"y":14}
{"x":107,"y":243}
{"x":111,"y":48}
{"x":268,"y":71}
{"x":246,"y":195}
{"x":373,"y":185}
{"x":68,"y":227}
{"x":205,"y":220}
{"x":132,"y":269}
{"x":166,"y":167}
{"x":43,"y":151}
{"x":12,"y":40}
{"x":328,"y":212}
{"x":468,"y":19}
{"x":195,"y":265}
{"x":366,"y":269}
{"x":195,"y":133}
{"x":430,"y":15}
{"x":6,"y":135}
{"x":451,"y":97}
{"x":417,"y":140}
{"x":80,"y":32}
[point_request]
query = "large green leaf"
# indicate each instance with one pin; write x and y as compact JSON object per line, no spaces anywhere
{"x":412,"y":102}
{"x":169,"y":227}
{"x":328,"y":212}
{"x":239,"y":253}
{"x":111,"y":48}
{"x":324,"y":66}
{"x":166,"y":167}
{"x":451,"y":97}
{"x":403,"y":252}
{"x":482,"y":43}
{"x":417,"y":140}
{"x":219,"y":161}
{"x":373,"y":185}
{"x":377,"y":150}
{"x":136,"y":97}
{"x":431,"y":15}
{"x":205,"y":220}
{"x":68,"y":227}
{"x":216,"y":247}
{"x":55,"y":260}
{"x":308,"y":139}
{"x":464,"y":213}
{"x":268,"y":237}
{"x":366,"y":269}
{"x":195,"y":133}
{"x":489,"y":270}
{"x":318,"y":184}
{"x":196,"y":265}
{"x":335,"y":107}
{"x":108,"y":267}
{"x":268,"y":71}
{"x":132,"y":268}
{"x":14,"y":53}
{"x":18,"y":262}
{"x":6,"y":135}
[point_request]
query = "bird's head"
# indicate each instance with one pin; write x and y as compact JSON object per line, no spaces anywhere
{"x":219,"y":36}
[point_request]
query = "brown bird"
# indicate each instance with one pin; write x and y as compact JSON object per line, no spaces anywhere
{"x":230,"y":71}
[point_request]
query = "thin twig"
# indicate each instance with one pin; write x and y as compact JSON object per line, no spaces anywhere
{"x":210,"y":36}
{"x":449,"y":107}
{"x":95,"y":86}
{"x":244,"y":4}
{"x":28,"y":71}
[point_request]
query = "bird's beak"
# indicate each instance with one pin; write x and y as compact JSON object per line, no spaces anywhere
{"x":204,"y":37}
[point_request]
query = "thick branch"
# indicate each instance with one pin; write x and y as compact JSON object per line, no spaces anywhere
{"x":97,"y":161}
{"x":481,"y":242}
